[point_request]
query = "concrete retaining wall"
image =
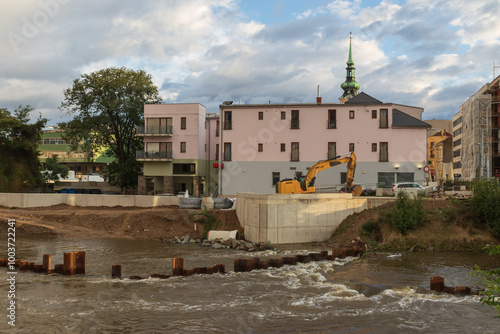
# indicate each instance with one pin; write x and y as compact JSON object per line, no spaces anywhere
{"x":40,"y":200}
{"x":297,"y":218}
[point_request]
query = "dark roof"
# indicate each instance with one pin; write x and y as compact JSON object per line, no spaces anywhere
{"x":403,"y":120}
{"x":363,"y":98}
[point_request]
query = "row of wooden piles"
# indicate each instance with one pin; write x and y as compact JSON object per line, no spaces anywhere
{"x":246,"y":265}
{"x":74,"y":263}
{"x":437,"y":284}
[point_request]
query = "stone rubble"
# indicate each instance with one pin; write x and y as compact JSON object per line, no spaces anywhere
{"x":227,"y":244}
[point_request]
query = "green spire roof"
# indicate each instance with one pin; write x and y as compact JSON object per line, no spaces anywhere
{"x":350,"y":86}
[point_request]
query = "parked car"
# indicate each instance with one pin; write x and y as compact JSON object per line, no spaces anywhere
{"x":408,"y":185}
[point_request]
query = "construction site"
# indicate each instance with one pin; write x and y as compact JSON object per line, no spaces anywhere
{"x":475,"y":135}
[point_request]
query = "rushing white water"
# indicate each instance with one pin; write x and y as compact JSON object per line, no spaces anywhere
{"x":389,"y":294}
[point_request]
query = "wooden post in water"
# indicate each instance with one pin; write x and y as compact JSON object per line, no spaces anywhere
{"x":177,"y":266}
{"x":437,"y":283}
{"x":59,"y":269}
{"x":237,"y":265}
{"x":69,"y":263}
{"x":80,"y":262}
{"x":116,"y":271}
{"x":47,"y":260}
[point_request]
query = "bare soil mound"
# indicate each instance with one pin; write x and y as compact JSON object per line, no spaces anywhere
{"x":161,"y":223}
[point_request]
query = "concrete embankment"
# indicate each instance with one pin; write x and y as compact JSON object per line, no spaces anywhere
{"x":297,"y":218}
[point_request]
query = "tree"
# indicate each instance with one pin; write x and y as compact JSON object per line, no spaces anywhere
{"x":54,"y":170}
{"x":19,"y":140}
{"x":108,"y":105}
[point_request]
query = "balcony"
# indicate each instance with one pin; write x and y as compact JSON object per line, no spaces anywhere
{"x":294,"y":124}
{"x":331,"y":124}
{"x":163,"y":131}
{"x":153,"y":156}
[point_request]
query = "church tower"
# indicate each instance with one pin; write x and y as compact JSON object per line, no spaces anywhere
{"x":350,"y":86}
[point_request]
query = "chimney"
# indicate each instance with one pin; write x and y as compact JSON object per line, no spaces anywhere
{"x":318,"y":99}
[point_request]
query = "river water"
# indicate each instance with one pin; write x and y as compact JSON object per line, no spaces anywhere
{"x":389,"y":294}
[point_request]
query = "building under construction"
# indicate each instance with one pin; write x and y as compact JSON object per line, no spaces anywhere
{"x":475,"y":135}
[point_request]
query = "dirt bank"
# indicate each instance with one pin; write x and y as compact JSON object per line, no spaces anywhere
{"x":162,"y":223}
{"x":449,"y":225}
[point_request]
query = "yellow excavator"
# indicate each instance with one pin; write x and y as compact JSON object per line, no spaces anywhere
{"x":305,"y":184}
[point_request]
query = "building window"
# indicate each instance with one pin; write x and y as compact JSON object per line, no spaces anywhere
{"x":332,"y":119}
{"x":227,"y":151}
{"x":385,"y":180}
{"x":457,"y":121}
{"x":374,"y":147}
{"x":217,"y":152}
{"x":343,"y":177}
{"x":457,"y":142}
{"x":276,"y":177}
{"x":374,"y":114}
{"x":261,"y":115}
{"x":332,"y":150}
{"x":283,"y":115}
{"x":183,"y":147}
{"x":384,"y":118}
{"x":261,"y":147}
{"x":159,"y":125}
{"x":457,"y":132}
{"x":295,"y":119}
{"x":228,"y":120}
{"x":351,"y":147}
{"x":405,"y":177}
{"x":295,"y":151}
{"x":283,"y":147}
{"x":184,"y":169}
{"x":183,"y":123}
{"x":351,"y":114}
{"x":217,"y":127}
{"x":384,"y":152}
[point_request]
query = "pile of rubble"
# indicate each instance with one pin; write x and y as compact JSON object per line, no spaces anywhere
{"x":227,"y":244}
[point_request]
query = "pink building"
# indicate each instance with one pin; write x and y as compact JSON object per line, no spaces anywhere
{"x":179,"y":149}
{"x":262,"y":144}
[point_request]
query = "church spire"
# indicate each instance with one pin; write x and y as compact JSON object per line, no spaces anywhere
{"x":350,"y":86}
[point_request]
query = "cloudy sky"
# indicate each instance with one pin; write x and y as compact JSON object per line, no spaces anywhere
{"x":428,"y":53}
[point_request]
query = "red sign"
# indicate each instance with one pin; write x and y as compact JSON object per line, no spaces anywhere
{"x":426,"y":169}
{"x":216,"y":165}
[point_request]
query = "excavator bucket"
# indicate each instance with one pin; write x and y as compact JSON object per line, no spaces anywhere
{"x":356,"y":190}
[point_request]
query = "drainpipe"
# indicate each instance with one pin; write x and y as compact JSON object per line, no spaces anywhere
{"x":221,"y":129}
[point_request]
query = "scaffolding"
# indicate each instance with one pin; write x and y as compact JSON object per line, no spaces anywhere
{"x":476,"y":135}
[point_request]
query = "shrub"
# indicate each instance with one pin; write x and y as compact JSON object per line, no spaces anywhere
{"x":491,"y":281}
{"x":369,"y":227}
{"x":408,"y":213}
{"x":485,"y":199}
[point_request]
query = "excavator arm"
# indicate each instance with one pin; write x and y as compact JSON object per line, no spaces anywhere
{"x":306,"y":184}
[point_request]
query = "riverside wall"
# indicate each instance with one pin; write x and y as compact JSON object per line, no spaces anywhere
{"x":23,"y":200}
{"x":296,"y":218}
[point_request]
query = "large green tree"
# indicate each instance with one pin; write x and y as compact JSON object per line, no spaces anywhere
{"x":107,"y":106}
{"x":19,"y":140}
